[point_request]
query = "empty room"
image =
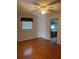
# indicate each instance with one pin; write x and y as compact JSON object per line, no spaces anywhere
{"x":38,"y":29}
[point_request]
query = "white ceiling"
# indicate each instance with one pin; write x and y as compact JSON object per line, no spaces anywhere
{"x":27,"y":6}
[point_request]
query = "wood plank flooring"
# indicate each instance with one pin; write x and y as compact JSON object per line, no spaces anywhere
{"x":38,"y":48}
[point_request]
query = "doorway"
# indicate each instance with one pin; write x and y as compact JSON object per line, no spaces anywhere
{"x":53,"y":29}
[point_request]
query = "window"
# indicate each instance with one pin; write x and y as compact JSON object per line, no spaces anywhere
{"x":26,"y":25}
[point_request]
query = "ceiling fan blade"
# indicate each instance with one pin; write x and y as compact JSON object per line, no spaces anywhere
{"x":51,"y":10}
{"x":57,"y":1}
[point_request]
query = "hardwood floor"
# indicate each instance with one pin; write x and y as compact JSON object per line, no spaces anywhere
{"x":38,"y":48}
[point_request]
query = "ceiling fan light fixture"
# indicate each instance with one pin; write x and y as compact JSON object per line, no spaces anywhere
{"x":43,"y":12}
{"x":43,"y":9}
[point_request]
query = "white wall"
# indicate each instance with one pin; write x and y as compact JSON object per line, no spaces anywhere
{"x":27,"y":34}
{"x":41,"y":28}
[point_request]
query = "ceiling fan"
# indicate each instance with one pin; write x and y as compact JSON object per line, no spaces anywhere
{"x":44,"y":7}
